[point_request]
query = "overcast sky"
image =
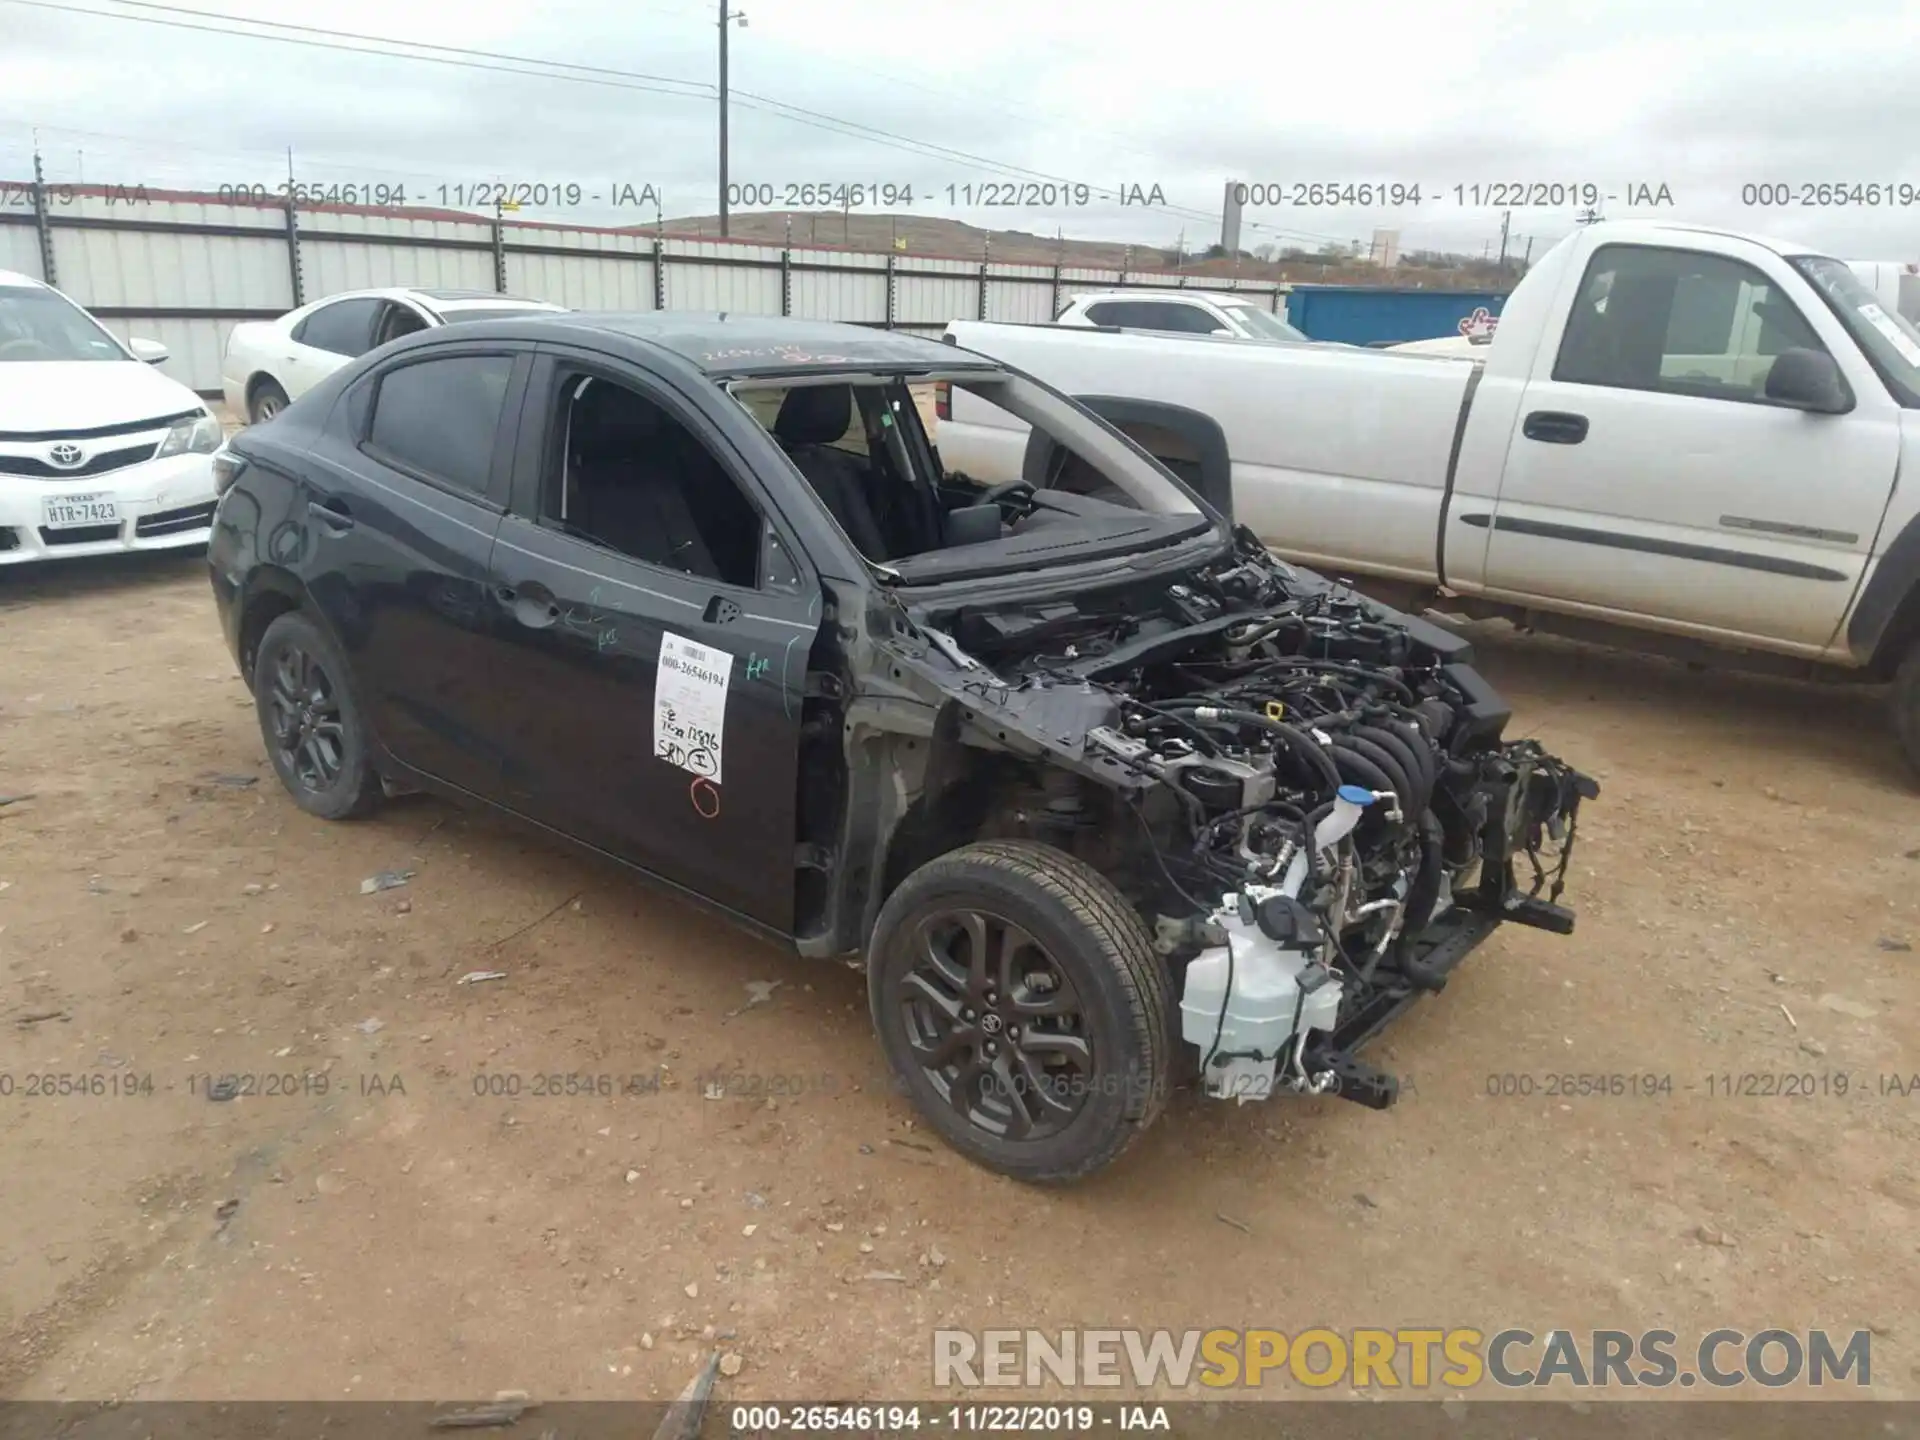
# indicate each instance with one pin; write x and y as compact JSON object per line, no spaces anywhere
{"x":1700,"y":98}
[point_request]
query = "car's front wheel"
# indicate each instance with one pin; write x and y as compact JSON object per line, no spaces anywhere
{"x":315,"y":735}
{"x":1021,"y":1006}
{"x":268,"y":401}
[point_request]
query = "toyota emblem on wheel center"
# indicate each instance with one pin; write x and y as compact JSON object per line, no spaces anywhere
{"x":65,"y":455}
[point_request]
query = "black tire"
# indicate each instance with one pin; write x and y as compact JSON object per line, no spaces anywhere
{"x":1088,"y":948}
{"x":311,"y":722}
{"x":267,"y":401}
{"x":1905,"y":703}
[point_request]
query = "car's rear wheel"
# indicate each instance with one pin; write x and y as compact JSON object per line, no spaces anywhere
{"x":1022,"y":1008}
{"x":268,"y":401}
{"x":316,"y":738}
{"x":1905,"y":703}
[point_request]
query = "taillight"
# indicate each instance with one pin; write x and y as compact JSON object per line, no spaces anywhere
{"x":226,"y":469}
{"x":943,"y":399}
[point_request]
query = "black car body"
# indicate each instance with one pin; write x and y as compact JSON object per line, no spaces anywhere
{"x":1092,"y":686}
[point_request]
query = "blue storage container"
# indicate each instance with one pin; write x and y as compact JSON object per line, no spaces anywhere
{"x":1366,"y":315}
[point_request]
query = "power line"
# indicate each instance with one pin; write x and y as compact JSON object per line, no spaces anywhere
{"x":460,"y":57}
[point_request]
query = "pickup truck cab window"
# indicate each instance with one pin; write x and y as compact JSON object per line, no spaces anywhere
{"x":627,"y":475}
{"x":436,"y":419}
{"x":1155,"y":315}
{"x":1680,"y":322}
{"x":1263,"y":325}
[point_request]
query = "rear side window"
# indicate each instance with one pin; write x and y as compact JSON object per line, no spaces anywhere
{"x":344,"y":327}
{"x":438,"y":417}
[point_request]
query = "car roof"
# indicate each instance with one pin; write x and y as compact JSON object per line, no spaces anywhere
{"x":436,"y":299}
{"x":445,"y":301}
{"x":1649,"y":232}
{"x":1226,"y":297}
{"x":13,"y":277}
{"x":724,"y":344}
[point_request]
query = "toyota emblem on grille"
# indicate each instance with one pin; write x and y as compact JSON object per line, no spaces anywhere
{"x":64,"y":455}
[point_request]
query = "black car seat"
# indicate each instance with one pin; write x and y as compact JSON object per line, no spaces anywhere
{"x":810,"y":419}
{"x":631,"y":481}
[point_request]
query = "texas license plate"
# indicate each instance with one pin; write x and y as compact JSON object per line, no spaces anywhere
{"x":66,"y":512}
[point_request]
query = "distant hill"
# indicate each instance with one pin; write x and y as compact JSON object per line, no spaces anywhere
{"x":955,"y":239}
{"x":924,"y":234}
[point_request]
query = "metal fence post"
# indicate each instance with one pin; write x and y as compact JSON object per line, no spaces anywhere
{"x":43,"y":223}
{"x":499,"y":258}
{"x":659,"y":272}
{"x":1053,"y":310}
{"x":293,"y":253}
{"x":980,"y":308}
{"x":890,"y":290}
{"x":786,"y":281}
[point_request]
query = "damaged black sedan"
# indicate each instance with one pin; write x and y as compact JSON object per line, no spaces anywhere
{"x":1098,"y":794}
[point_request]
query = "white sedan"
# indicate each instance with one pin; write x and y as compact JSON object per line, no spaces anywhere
{"x":99,"y":452}
{"x":269,"y":363}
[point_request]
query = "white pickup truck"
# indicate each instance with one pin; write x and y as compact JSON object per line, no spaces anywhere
{"x":1680,"y":439}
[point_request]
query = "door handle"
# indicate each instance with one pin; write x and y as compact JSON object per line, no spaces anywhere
{"x":1555,"y":427}
{"x":332,"y":514}
{"x":532,"y":604}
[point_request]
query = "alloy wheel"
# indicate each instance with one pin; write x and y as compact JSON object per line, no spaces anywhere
{"x":996,"y":1025}
{"x":308,"y":729}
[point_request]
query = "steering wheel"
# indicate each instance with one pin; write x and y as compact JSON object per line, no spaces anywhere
{"x":1014,"y":497}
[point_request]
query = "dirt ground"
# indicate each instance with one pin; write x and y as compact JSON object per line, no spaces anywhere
{"x":1746,"y":888}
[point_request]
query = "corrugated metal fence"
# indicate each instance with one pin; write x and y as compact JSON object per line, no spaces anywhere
{"x":183,"y":268}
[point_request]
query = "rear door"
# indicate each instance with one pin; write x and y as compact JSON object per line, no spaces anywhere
{"x":1649,"y":476}
{"x":661,"y":621}
{"x":396,"y":528}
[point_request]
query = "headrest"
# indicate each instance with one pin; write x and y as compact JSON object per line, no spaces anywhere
{"x":814,"y":414}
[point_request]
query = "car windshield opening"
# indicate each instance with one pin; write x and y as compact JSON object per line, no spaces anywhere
{"x":1892,"y":341}
{"x":39,"y":325}
{"x":868,"y":448}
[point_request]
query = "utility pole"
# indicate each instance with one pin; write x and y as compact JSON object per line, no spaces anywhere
{"x":1506,"y":219}
{"x":726,"y":18}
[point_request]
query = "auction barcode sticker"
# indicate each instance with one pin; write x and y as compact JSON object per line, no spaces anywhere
{"x":690,"y":704}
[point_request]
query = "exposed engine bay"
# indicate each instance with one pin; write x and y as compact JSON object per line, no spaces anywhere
{"x":1306,"y":795}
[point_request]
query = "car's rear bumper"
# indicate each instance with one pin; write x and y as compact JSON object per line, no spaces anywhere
{"x":159,"y":505}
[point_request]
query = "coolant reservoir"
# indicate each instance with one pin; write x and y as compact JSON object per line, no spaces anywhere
{"x":1243,"y":1002}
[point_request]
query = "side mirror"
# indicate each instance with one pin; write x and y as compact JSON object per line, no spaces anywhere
{"x":1808,"y":380}
{"x":151,"y":351}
